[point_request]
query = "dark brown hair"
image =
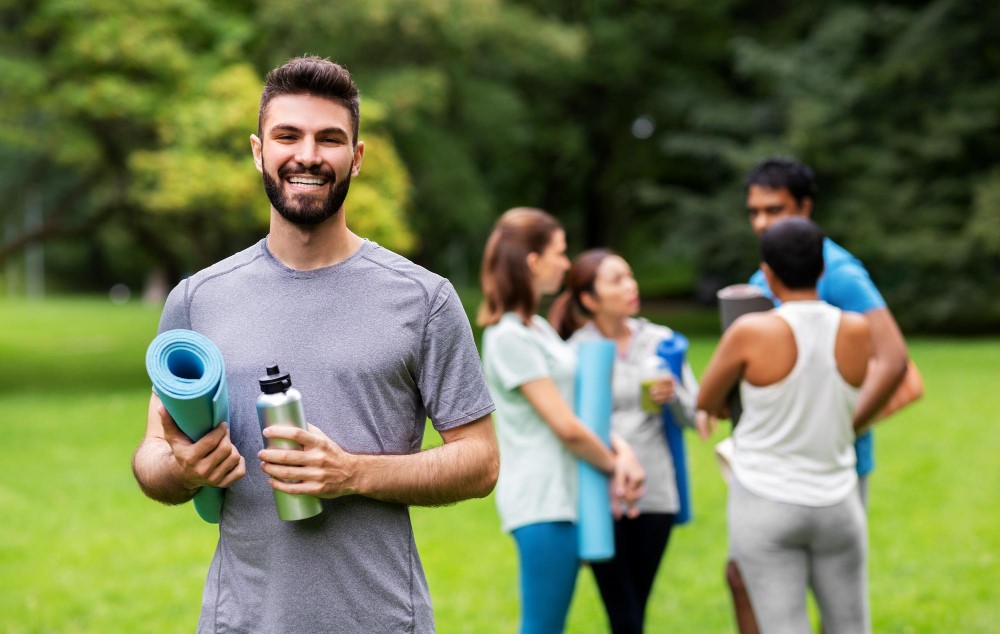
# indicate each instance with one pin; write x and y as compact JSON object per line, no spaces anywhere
{"x":505,"y":276}
{"x":567,"y":308}
{"x":312,"y":75}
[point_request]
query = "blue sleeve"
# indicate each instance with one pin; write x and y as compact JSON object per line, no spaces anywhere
{"x":849,"y":287}
{"x":758,"y":280}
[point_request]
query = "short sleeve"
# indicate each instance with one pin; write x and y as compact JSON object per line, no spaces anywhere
{"x":175,"y":311}
{"x":451,"y":379}
{"x":849,"y":287}
{"x":516,"y":358}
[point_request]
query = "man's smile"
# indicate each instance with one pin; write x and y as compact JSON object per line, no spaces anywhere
{"x":308,"y":183}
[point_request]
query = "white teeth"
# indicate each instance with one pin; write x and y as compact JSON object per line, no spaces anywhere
{"x":299,"y":180}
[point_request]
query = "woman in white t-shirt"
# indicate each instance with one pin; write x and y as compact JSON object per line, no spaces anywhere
{"x":531,"y":373}
{"x":796,"y":520}
{"x":601,"y":300}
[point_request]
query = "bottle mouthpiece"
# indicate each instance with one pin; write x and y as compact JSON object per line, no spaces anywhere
{"x":275,"y":381}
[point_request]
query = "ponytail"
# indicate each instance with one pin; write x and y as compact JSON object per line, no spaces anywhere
{"x":568,"y":314}
{"x":505,"y":277}
{"x":562,"y":314}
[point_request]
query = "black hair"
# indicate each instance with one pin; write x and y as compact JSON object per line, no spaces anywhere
{"x":784,"y":173}
{"x":793,"y":248}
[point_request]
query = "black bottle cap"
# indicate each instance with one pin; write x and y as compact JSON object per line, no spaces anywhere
{"x":274,"y":381}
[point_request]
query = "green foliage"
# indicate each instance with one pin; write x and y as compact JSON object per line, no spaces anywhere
{"x":456,"y":79}
{"x":633,"y":122}
{"x":894,"y":106}
{"x":380,"y":195}
{"x":148,"y":108}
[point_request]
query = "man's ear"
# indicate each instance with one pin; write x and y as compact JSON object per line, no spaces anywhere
{"x":257,"y":149}
{"x":359,"y":155}
{"x":806,"y":207}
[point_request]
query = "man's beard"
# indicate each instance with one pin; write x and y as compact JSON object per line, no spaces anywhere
{"x":303,"y":209}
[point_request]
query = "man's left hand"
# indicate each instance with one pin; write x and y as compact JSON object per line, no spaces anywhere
{"x":320,"y":468}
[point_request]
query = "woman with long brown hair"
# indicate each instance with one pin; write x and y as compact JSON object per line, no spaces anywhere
{"x":601,"y":300}
{"x":531,"y":373}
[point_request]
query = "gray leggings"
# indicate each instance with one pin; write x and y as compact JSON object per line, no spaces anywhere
{"x":783,"y":549}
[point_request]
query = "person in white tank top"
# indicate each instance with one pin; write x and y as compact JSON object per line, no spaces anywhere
{"x":795,"y":517}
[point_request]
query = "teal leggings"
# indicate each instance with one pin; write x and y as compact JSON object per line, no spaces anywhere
{"x":549,"y":562}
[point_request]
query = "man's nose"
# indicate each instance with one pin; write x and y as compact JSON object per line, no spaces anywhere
{"x":307,"y":153}
{"x":759,"y":222}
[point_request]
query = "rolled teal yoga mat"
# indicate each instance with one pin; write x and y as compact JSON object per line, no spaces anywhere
{"x":595,"y":525}
{"x":189,"y":376}
{"x":674,"y":351}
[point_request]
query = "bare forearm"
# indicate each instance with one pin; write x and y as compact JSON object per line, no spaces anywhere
{"x":880,"y":383}
{"x":443,"y":475}
{"x":158,"y":475}
{"x":545,"y":398}
{"x":887,"y":369}
{"x":586,"y":445}
{"x":724,"y":369}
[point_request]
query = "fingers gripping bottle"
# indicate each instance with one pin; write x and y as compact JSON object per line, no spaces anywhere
{"x":654,"y":370}
{"x":281,"y":404}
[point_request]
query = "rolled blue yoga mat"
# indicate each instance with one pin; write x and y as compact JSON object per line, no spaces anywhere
{"x":595,"y":525}
{"x":673,"y":351}
{"x":189,"y":376}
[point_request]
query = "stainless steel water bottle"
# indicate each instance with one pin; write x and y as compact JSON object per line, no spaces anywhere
{"x":281,"y":404}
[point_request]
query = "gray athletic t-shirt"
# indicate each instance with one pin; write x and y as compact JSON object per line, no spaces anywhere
{"x":375,"y":344}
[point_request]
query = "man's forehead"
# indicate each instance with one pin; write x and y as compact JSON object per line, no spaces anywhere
{"x":762,"y":191}
{"x":306,"y":112}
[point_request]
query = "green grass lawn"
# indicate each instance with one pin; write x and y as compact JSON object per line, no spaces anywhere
{"x":83,"y":551}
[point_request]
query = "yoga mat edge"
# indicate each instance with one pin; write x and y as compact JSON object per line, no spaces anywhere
{"x":595,"y":524}
{"x":674,"y":351}
{"x":189,"y":377}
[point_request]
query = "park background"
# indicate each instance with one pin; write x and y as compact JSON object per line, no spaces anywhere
{"x":124,"y":165}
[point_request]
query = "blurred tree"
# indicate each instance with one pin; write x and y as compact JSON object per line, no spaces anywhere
{"x":461,"y":82}
{"x":894,"y":105}
{"x":627,"y":153}
{"x":131,"y":120}
{"x":634,"y":122}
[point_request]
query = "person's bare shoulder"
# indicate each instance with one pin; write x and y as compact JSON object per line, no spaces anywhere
{"x":855,"y":328}
{"x":755,"y":326}
{"x":853,"y":347}
{"x":766,"y":343}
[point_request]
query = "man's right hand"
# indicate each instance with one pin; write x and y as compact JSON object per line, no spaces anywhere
{"x":213,"y":460}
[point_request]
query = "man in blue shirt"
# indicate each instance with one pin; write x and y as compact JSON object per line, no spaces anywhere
{"x":779,"y":188}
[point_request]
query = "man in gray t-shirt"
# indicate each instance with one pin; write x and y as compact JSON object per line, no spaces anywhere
{"x":375,"y":343}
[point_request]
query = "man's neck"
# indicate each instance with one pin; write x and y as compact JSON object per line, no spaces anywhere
{"x":305,"y":248}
